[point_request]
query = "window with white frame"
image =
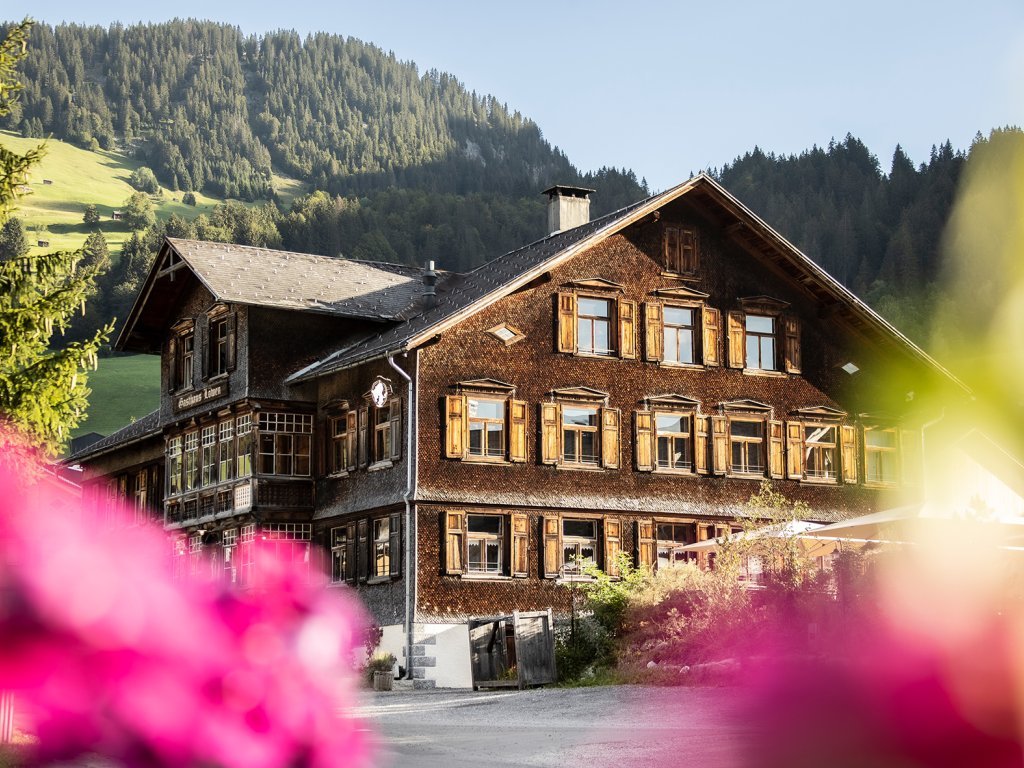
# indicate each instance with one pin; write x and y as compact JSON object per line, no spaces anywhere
{"x":594,"y":326}
{"x":760,"y":337}
{"x":580,"y":441}
{"x":341,"y":568}
{"x":243,"y":463}
{"x":679,"y":331}
{"x":342,"y":443}
{"x":284,"y":443}
{"x":820,"y":459}
{"x":289,"y":542}
{"x":486,"y":419}
{"x":219,"y":341}
{"x":674,"y":441}
{"x":191,"y":469}
{"x":229,"y":551}
{"x":246,"y":553}
{"x":672,"y":537}
{"x":381,"y":433}
{"x":381,"y":547}
{"x":174,"y":466}
{"x":880,"y":455}
{"x":485,"y":543}
{"x":195,"y":555}
{"x":141,"y":496}
{"x":579,"y":545}
{"x":746,"y":446}
{"x":209,"y":456}
{"x":225,"y":450}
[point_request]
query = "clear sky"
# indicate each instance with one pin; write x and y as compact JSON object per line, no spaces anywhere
{"x":666,"y":88}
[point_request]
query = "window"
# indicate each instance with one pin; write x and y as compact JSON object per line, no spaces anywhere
{"x":746,"y":447}
{"x":681,"y":249}
{"x":486,"y":428}
{"x":174,"y":466}
{"x":387,"y":431}
{"x":673,"y":438}
{"x":679,"y":333}
{"x":579,"y":435}
{"x":820,"y":461}
{"x":381,"y":547}
{"x":229,"y":547}
{"x":222,"y":345}
{"x":763,"y":338}
{"x":225,"y":450}
{"x":141,"y":496}
{"x":195,"y":555}
{"x":243,"y":463}
{"x":760,"y":332}
{"x":289,"y":542}
{"x":579,"y":545}
{"x":484,"y":543}
{"x":183,"y":360}
{"x":476,"y":544}
{"x":506,"y":334}
{"x":209,"y":456}
{"x":595,"y":326}
{"x":880,"y":455}
{"x":284,"y":443}
{"x":191,"y":461}
{"x":341,"y":453}
{"x":341,"y":565}
{"x":246,"y":553}
{"x":672,"y":537}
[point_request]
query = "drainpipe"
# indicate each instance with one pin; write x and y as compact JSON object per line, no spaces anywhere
{"x":409,"y":537}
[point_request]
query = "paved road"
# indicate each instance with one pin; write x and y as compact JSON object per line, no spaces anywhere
{"x":591,"y":727}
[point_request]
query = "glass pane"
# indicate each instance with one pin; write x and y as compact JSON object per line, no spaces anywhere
{"x":493,"y":556}
{"x":475,"y":552}
{"x":579,"y":528}
{"x":680,"y":451}
{"x":668,"y":422}
{"x":487,"y":409}
{"x":753,"y":349}
{"x":484,"y":524}
{"x":678,"y":316}
{"x":476,"y":438}
{"x":754,"y":457}
{"x":569,"y":448}
{"x":584,"y":417}
{"x":594,"y":308}
{"x":880,"y":438}
{"x":586,"y":336}
{"x":745,"y":428}
{"x":495,"y":439}
{"x":768,"y":354}
{"x":760,"y":324}
{"x":671,"y":345}
{"x":588,"y":446}
{"x":602,"y":334}
{"x":820,"y":435}
{"x":686,"y":346}
{"x":663,"y":452}
{"x":737,"y":456}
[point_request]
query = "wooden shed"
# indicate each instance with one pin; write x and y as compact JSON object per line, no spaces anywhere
{"x":515,"y":650}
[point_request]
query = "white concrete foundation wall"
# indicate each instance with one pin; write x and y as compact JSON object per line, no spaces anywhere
{"x":451,"y":652}
{"x":392,"y":640}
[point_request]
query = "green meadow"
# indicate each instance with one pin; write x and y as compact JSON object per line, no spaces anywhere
{"x":124,"y":389}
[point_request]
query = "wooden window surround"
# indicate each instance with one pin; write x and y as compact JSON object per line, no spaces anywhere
{"x":746,"y":441}
{"x":680,"y":249}
{"x":578,"y":431}
{"x":881,"y":456}
{"x":181,"y":349}
{"x":570,"y":540}
{"x":670,"y":436}
{"x":378,"y":548}
{"x":485,"y":423}
{"x":763,"y":338}
{"x":486,"y":545}
{"x":593,"y":319}
{"x":819,"y":448}
{"x":680,"y":329}
{"x":220,"y":342}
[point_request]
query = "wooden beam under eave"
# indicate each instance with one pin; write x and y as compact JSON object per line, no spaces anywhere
{"x":171,"y":269}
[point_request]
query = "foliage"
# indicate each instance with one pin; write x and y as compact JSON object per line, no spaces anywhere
{"x":13,"y":241}
{"x":381,"y":662}
{"x":138,"y":211}
{"x":189,"y":198}
{"x":91,"y":216}
{"x":144,"y":180}
{"x":42,"y":392}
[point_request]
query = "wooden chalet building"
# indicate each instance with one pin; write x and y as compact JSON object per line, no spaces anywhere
{"x":451,"y":443}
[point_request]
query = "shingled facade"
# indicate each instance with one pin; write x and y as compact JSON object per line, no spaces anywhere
{"x":450,"y":444}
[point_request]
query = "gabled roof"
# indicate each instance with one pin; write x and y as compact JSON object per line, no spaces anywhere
{"x":147,"y":426}
{"x":241,"y":274}
{"x":477,"y":289}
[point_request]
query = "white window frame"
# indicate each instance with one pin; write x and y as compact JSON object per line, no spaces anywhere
{"x":483,"y":539}
{"x":579,"y":430}
{"x":745,"y":469}
{"x":686,"y":465}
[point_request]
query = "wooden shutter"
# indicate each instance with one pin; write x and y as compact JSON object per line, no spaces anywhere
{"x":671,"y":244}
{"x":455,"y":542}
{"x":612,"y":545}
{"x":231,"y":354}
{"x":610,"y":438}
{"x":201,"y":350}
{"x":455,"y":426}
{"x":517,"y":425}
{"x":688,"y":250}
{"x":395,"y":545}
{"x":520,"y":545}
{"x":351,"y":428}
{"x":550,"y":427}
{"x":654,"y":334}
{"x":849,"y":453}
{"x":364,"y":431}
{"x":552,"y":539}
{"x":172,"y":364}
{"x":776,"y":450}
{"x":712,"y":331}
{"x":646,"y":546}
{"x":700,"y":444}
{"x":737,"y":340}
{"x":363,"y":551}
{"x":791,"y":344}
{"x":720,"y":444}
{"x":644,"y":440}
{"x":395,"y":417}
{"x":566,"y":322}
{"x":350,"y":553}
{"x":911,"y":469}
{"x":627,"y":329}
{"x":794,"y":450}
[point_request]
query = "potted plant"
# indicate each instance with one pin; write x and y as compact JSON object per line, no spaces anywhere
{"x":381,"y":670}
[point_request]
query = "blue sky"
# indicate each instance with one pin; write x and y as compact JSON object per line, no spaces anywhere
{"x":666,"y":88}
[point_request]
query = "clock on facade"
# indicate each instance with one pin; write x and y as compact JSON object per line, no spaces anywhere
{"x":379,"y":392}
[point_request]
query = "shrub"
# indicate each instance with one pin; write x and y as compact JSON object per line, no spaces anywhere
{"x":189,"y":198}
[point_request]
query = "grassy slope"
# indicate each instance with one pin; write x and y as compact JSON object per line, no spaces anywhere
{"x":123,"y":389}
{"x":81,"y":177}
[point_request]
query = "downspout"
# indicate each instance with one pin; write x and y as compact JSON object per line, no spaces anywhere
{"x":410,"y":456}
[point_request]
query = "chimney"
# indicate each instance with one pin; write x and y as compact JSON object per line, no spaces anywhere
{"x":429,"y":283}
{"x":568,"y":207}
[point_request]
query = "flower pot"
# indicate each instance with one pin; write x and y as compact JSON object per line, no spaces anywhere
{"x":382,"y":681}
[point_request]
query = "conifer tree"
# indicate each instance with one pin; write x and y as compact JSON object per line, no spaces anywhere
{"x":42,"y":390}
